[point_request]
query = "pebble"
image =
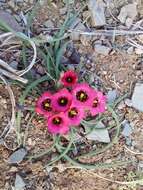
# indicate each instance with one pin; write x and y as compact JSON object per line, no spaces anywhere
{"x":130,"y":50}
{"x":14,"y":64}
{"x":97,"y":9}
{"x":19,"y":183}
{"x":111,"y":96}
{"x":127,"y":131}
{"x":140,"y":166}
{"x":128,"y":102}
{"x":10,"y":20}
{"x":49,"y":24}
{"x":63,"y":11}
{"x":121,"y":105}
{"x":102,"y":49}
{"x":137,"y":97}
{"x":138,"y":51}
{"x":128,"y":14}
{"x":77,"y":28}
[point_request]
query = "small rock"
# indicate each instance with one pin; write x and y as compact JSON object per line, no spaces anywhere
{"x":101,"y":135}
{"x":138,"y":51}
{"x":137,"y":97}
{"x":63,"y":11}
{"x":17,"y":156}
{"x":77,"y":28}
{"x":97,"y":9}
{"x":1,"y":141}
{"x":128,"y":102}
{"x":128,"y":141}
{"x":49,"y":24}
{"x":121,"y":105}
{"x":128,"y":14}
{"x":127,"y":131}
{"x":14,"y":64}
{"x":101,"y":49}
{"x":111,"y":96}
{"x":10,"y":21}
{"x":130,"y":50}
{"x":40,"y":70}
{"x":140,"y":166}
{"x":19,"y":183}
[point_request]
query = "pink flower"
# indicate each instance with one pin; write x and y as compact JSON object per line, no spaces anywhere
{"x":43,"y":105}
{"x":69,"y":78}
{"x":98,"y":104}
{"x":58,"y":124}
{"x":62,"y":100}
{"x":75,"y":114}
{"x":82,"y":95}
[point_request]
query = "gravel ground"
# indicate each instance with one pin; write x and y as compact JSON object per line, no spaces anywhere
{"x":112,"y":63}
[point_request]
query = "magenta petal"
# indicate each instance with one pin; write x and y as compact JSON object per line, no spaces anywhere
{"x":65,"y":94}
{"x":39,"y":108}
{"x":75,"y":120}
{"x":61,"y":128}
{"x":101,"y":105}
{"x":82,"y":87}
{"x":69,"y":78}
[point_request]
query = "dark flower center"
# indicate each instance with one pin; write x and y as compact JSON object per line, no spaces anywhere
{"x":46,"y":104}
{"x":57,"y":121}
{"x":95,"y":103}
{"x":72,"y":112}
{"x":82,"y":96}
{"x":62,"y":101}
{"x":69,"y":79}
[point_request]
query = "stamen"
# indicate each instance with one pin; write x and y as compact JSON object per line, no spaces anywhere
{"x":57,"y":121}
{"x":63,"y":101}
{"x":73,"y":112}
{"x":81,"y":96}
{"x":95,"y":102}
{"x":46,"y":104}
{"x":69,"y":79}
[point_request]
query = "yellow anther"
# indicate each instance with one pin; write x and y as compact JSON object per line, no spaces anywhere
{"x":73,"y":112}
{"x":47,"y":105}
{"x":62,"y":101}
{"x":82,"y":95}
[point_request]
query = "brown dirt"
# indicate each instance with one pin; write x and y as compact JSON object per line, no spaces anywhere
{"x":118,"y":71}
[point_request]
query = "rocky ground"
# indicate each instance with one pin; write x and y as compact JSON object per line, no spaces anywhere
{"x":105,"y":39}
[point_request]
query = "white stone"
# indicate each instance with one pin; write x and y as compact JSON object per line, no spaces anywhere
{"x":138,"y":51}
{"x":97,"y":9}
{"x":101,"y":135}
{"x":101,"y":49}
{"x":77,"y":27}
{"x":137,"y":97}
{"x":128,"y":14}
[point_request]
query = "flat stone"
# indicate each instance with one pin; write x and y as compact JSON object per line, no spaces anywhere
{"x":14,"y":64}
{"x":102,"y":49}
{"x":138,"y":51}
{"x":100,"y":134}
{"x":97,"y":9}
{"x":17,"y":156}
{"x":130,"y":50}
{"x":128,"y":102}
{"x":128,"y":14}
{"x":137,"y":97}
{"x":127,"y":131}
{"x":77,"y":26}
{"x":111,"y":96}
{"x":10,"y":21}
{"x":49,"y":24}
{"x":19,"y":183}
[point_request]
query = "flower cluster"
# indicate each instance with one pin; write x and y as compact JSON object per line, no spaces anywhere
{"x":69,"y":105}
